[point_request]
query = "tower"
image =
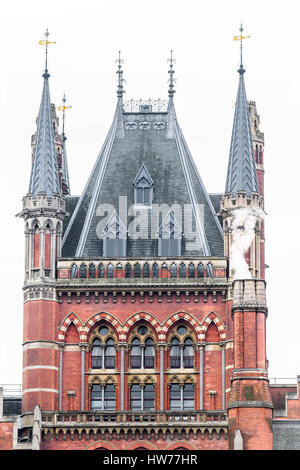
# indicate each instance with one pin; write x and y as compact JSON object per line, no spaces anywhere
{"x":250,"y":403}
{"x":43,"y":212}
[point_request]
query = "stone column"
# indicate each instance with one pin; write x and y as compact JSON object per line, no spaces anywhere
{"x":122,"y":377}
{"x":223,"y":376}
{"x":60,"y":376}
{"x":201,"y":366}
{"x":82,"y":379}
{"x":161,"y":379}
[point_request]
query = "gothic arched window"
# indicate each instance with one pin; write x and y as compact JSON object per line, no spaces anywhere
{"x":109,"y":354}
{"x":96,"y":354}
{"x":101,"y":270}
{"x":96,"y":397}
{"x":191,"y":270}
{"x":146,"y":270}
{"x":128,"y":270}
{"x":92,"y":271}
{"x":155,"y":271}
{"x":169,"y":236}
{"x":173,"y":270}
{"x":114,"y":238}
{"x":188,"y":353}
{"x":149,"y":354}
{"x":109,"y":397}
{"x":83,"y":271}
{"x":136,"y":354}
{"x":175,"y":356}
{"x":143,"y":187}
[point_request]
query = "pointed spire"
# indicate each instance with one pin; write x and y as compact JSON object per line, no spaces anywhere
{"x":44,"y":173}
{"x":172,"y":80}
{"x":120,"y":90}
{"x":241,"y":173}
{"x":65,"y":173}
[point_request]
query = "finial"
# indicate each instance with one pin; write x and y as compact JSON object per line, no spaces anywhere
{"x":63,"y":108}
{"x":240,"y":38}
{"x":45,"y":43}
{"x":171,"y":80}
{"x":121,"y":80}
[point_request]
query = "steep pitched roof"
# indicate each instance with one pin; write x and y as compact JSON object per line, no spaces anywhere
{"x":241,"y":173}
{"x":44,"y":173}
{"x":152,"y":138}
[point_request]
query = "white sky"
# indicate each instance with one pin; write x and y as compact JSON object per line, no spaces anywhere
{"x":82,"y":64}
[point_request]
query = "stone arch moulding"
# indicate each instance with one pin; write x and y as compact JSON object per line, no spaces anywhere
{"x":135,"y":318}
{"x":70,"y":318}
{"x":181,"y":316}
{"x":101,"y":444}
{"x":213,"y":317}
{"x":91,"y":322}
{"x":186,"y":445}
{"x":141,"y":443}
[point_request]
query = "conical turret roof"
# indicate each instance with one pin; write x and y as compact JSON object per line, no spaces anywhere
{"x":241,"y":173}
{"x":44,"y":173}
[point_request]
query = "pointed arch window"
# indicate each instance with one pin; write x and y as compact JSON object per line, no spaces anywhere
{"x":200,"y":270}
{"x":143,"y":187}
{"x":96,"y":354}
{"x":188,"y":354}
{"x":146,"y":270}
{"x":175,"y":355}
{"x":92,"y":271}
{"x":101,"y":270}
{"x":149,"y":354}
{"x":128,"y":270}
{"x":109,"y":354}
{"x":182,"y":270}
{"x":137,"y":270}
{"x":191,"y":270}
{"x":155,"y":270}
{"x":109,"y":397}
{"x":110,"y":271}
{"x":169,"y":236}
{"x":173,"y":270}
{"x":136,"y":354}
{"x":82,"y":271}
{"x":114,"y":238}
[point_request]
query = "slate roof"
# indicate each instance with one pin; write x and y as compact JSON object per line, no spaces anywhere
{"x":44,"y":173}
{"x":241,"y":173}
{"x":155,"y":140}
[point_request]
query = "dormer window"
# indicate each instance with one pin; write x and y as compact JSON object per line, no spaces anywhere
{"x":114,"y":238}
{"x":169,"y":236}
{"x":143,"y":187}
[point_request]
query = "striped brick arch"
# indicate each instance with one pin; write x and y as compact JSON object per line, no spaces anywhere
{"x":212,"y":317}
{"x":192,"y":321}
{"x":136,"y":318}
{"x":71,"y":318}
{"x":89,"y":325}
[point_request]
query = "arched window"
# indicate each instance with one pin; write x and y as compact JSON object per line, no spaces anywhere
{"x":114,"y":237}
{"x":82,"y":271}
{"x":92,"y":271}
{"x":175,"y":356}
{"x":188,"y":353}
{"x":155,"y":270}
{"x":110,"y":271}
{"x":136,"y":354}
{"x":169,"y":236}
{"x":200,"y":270}
{"x":143,"y":187}
{"x":137,"y":270}
{"x":173,"y":270}
{"x":182,"y":271}
{"x":109,"y":354}
{"x":74,"y":271}
{"x":96,"y":354}
{"x":128,"y":270}
{"x":149,"y":354}
{"x":146,"y":270}
{"x":191,"y":270}
{"x":101,"y":270}
{"x":209,"y":270}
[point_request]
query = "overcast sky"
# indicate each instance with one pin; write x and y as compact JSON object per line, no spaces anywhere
{"x":82,"y":64}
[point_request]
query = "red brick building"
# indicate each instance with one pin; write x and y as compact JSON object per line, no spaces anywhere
{"x":138,"y":330}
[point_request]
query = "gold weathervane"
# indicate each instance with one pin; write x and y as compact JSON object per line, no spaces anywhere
{"x":45,"y":42}
{"x":241,"y":38}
